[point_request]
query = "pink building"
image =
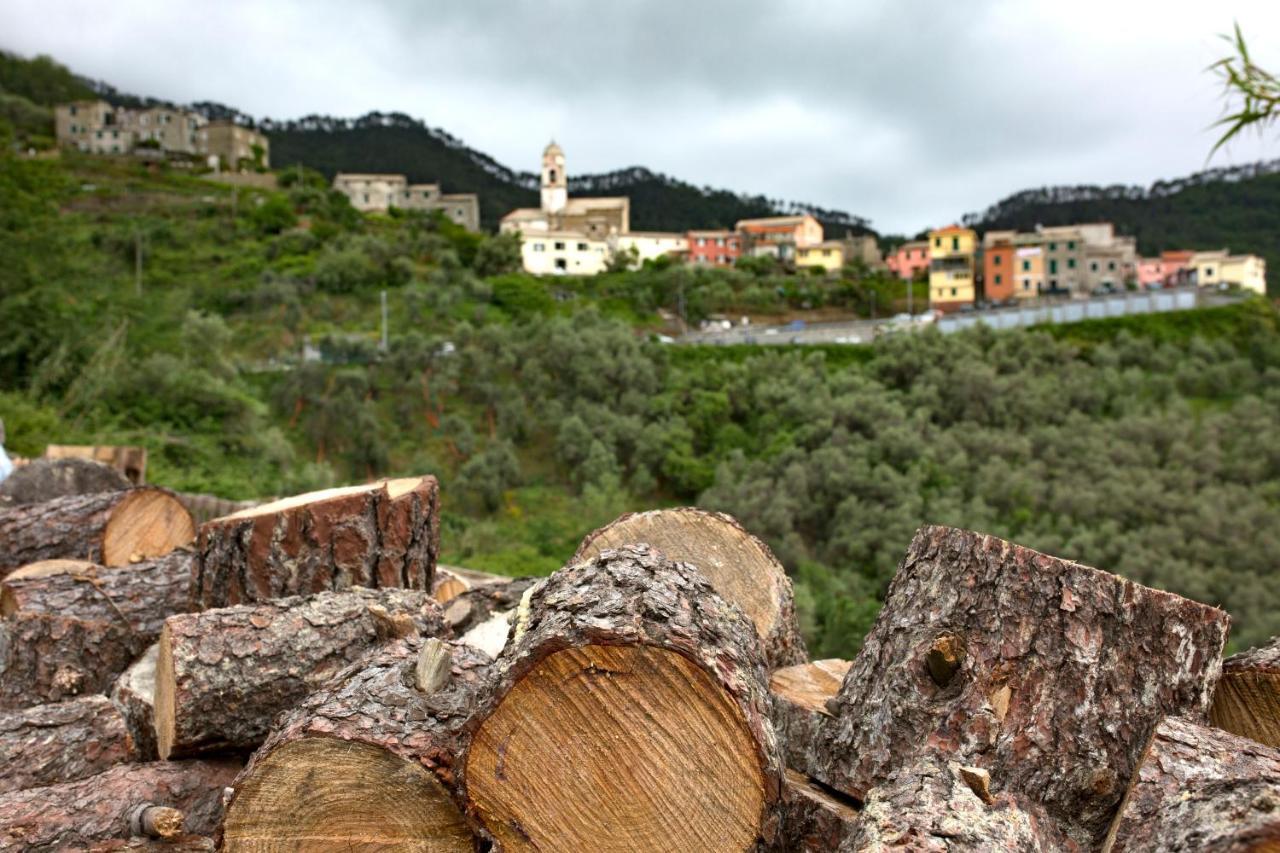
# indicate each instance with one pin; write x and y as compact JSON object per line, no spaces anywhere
{"x":909,"y":259}
{"x":1150,"y":271}
{"x":1169,"y":270}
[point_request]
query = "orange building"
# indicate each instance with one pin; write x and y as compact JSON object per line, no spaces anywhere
{"x":998,"y":265}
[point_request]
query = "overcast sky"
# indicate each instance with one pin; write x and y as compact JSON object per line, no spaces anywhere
{"x":908,"y":113}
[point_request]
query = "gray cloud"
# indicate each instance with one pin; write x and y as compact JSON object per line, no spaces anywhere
{"x":910,"y":113}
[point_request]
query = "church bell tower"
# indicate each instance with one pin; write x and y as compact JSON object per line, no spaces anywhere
{"x":555,"y":185}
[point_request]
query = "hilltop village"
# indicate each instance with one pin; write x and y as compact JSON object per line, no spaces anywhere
{"x":584,"y":236}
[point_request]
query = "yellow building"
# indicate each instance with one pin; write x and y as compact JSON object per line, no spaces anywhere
{"x":829,"y":255}
{"x":951,"y":267}
{"x":1248,"y":272}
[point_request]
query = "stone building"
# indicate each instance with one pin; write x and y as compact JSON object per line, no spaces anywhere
{"x":235,"y":145}
{"x":378,"y":193}
{"x":595,"y":218}
{"x":100,"y":128}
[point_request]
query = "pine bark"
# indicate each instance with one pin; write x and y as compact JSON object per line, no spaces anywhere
{"x":370,"y":758}
{"x":75,"y":815}
{"x":110,"y":528}
{"x":629,"y":712}
{"x":222,"y":675}
{"x":1049,"y":674}
{"x":45,"y":479}
{"x":63,"y":742}
{"x":1201,"y":789}
{"x":383,"y":535}
{"x":72,"y":633}
{"x":813,"y":820}
{"x":134,"y":693}
{"x":1247,"y":699}
{"x":800,"y":696}
{"x":740,"y":567}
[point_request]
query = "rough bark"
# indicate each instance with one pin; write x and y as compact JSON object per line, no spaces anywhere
{"x":366,"y":761}
{"x":222,"y":675}
{"x":800,"y":696}
{"x":134,"y":693}
{"x":45,"y":479}
{"x":181,"y":844}
{"x":629,"y":712}
{"x":382,"y":535}
{"x":936,"y":806}
{"x":1200,"y":789}
{"x":1247,"y":699}
{"x":76,"y":814}
{"x":1049,"y":674}
{"x":63,"y":742}
{"x":813,"y":820}
{"x":72,"y":633}
{"x":740,"y":567}
{"x":111,"y":528}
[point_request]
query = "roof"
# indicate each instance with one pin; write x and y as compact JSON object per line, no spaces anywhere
{"x":952,"y":229}
{"x":769,"y":222}
{"x":711,"y":232}
{"x":368,"y":176}
{"x":524,"y":213}
{"x":657,"y":235}
{"x":552,"y":148}
{"x":575,"y":205}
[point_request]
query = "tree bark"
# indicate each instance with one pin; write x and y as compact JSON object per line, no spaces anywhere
{"x":935,"y":806}
{"x":1201,"y":789}
{"x":813,"y":820}
{"x":629,"y":712}
{"x":45,"y":479}
{"x":222,"y":675}
{"x":1247,"y":700}
{"x":1049,"y":674}
{"x":382,"y":535}
{"x":48,"y":744}
{"x":134,"y":693}
{"x":111,"y":528}
{"x":800,"y":696}
{"x":71,"y":633}
{"x":740,"y":567}
{"x":366,"y":761}
{"x":181,"y":844}
{"x":99,"y":808}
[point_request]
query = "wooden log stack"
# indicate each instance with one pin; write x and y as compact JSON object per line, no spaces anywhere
{"x":654,"y":694}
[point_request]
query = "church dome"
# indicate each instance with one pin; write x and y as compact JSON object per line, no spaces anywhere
{"x":553,"y":150}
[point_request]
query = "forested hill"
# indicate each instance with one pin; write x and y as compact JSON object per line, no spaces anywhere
{"x":1236,"y":208}
{"x":394,"y":142}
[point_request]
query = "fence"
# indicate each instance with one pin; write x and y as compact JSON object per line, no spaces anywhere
{"x":1098,"y":308}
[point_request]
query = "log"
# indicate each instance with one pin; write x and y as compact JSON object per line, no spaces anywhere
{"x":103,"y":807}
{"x":1247,"y":699}
{"x":111,"y":528}
{"x":222,"y":675}
{"x":180,"y":844}
{"x":936,"y":805}
{"x":1200,"y":789}
{"x":740,"y":567}
{"x":481,"y":602}
{"x":1049,"y":674}
{"x":134,"y":693}
{"x":63,"y":742}
{"x":385,"y":534}
{"x":70,"y":633}
{"x":367,"y":762}
{"x":814,"y":820}
{"x":800,"y":696}
{"x":43,"y":480}
{"x":447,"y":586}
{"x":629,"y":712}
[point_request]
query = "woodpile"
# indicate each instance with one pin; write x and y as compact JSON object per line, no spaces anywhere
{"x":653,"y":694}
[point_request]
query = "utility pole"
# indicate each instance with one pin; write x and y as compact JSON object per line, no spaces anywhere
{"x":137,"y":261}
{"x":911,"y":286}
{"x":384,"y":321}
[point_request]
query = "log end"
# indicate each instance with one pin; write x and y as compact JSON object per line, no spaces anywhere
{"x":1246,"y":703}
{"x":148,"y":522}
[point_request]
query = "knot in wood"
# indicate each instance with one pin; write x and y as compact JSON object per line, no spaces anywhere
{"x":944,"y":658}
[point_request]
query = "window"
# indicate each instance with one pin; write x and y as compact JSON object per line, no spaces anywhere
{"x":551,"y":176}
{"x":73,"y":127}
{"x":1208,"y":272}
{"x":1071,"y":263}
{"x":559,"y":247}
{"x":1071,"y":245}
{"x":997,"y":278}
{"x":539,"y":247}
{"x":1053,"y":265}
{"x":702,"y":241}
{"x":997,"y":259}
{"x":73,"y":112}
{"x":953,"y":291}
{"x":1111,"y":265}
{"x":1026,"y":285}
{"x":1093,"y":266}
{"x":1053,"y":247}
{"x":1053,"y":284}
{"x":366,"y":198}
{"x":955,"y":244}
{"x":826,"y":253}
{"x":582,"y":247}
{"x":562,"y":264}
{"x":1026,"y":266}
{"x":937,"y":242}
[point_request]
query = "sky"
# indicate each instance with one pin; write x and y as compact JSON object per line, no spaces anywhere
{"x":908,"y":113}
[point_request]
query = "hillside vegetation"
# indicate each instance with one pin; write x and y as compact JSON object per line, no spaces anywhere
{"x":1142,"y":446}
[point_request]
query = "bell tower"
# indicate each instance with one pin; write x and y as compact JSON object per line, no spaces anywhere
{"x":555,"y":185}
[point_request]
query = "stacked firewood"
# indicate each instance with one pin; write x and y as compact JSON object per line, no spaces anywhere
{"x":301,"y":675}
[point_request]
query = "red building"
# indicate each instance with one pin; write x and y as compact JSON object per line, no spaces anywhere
{"x":714,"y":248}
{"x":909,"y":260}
{"x":997,"y":266}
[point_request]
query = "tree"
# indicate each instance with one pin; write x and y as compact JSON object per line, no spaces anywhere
{"x":498,"y":255}
{"x":1257,"y":89}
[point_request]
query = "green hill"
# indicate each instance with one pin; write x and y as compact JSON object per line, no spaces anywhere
{"x":1236,"y":208}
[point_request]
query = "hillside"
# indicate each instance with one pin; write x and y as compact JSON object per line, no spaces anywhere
{"x":1237,"y":208}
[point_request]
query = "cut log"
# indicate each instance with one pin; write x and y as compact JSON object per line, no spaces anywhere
{"x":447,"y":586}
{"x":381,"y":535}
{"x":63,"y":742}
{"x":482,"y":602}
{"x":222,"y":675}
{"x":800,"y":696}
{"x":365,"y":763}
{"x":814,"y":820}
{"x":1049,"y":674}
{"x":740,"y":567}
{"x":73,"y":632}
{"x":102,"y":807}
{"x":935,"y":806}
{"x":111,"y":528}
{"x":1247,"y":699}
{"x":629,"y":712}
{"x":43,"y":480}
{"x":134,"y":694}
{"x":1201,"y":789}
{"x":45,"y":568}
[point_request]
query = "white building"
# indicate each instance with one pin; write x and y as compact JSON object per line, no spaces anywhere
{"x":563,"y":253}
{"x":650,"y":245}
